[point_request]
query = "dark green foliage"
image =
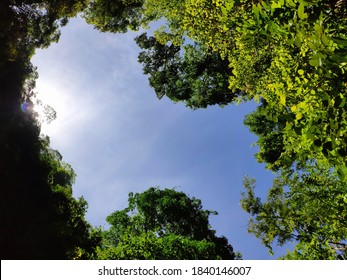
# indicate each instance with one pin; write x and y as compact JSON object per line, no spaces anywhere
{"x":163,"y":224}
{"x":33,"y":24}
{"x":148,"y":246}
{"x":292,"y":55}
{"x":191,"y":73}
{"x":289,"y":54}
{"x":307,"y":208}
{"x":270,"y":140}
{"x":40,"y":219}
{"x":115,"y":16}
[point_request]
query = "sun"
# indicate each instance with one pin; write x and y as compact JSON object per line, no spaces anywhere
{"x":49,"y":103}
{"x":45,"y":112}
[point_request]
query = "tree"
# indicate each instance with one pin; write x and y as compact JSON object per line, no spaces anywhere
{"x":74,"y":237}
{"x":292,"y":54}
{"x":308,"y":208}
{"x":40,"y":218}
{"x":162,"y":224}
{"x":33,"y":24}
{"x":115,"y":15}
{"x":289,"y":55}
{"x":189,"y":73}
{"x":306,"y":204}
{"x":271,"y":139}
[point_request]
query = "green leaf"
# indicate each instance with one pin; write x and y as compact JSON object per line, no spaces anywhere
{"x":275,"y":5}
{"x":283,"y":99}
{"x":224,"y":11}
{"x":229,"y":4}
{"x":314,"y":62}
{"x":325,"y":40}
{"x":297,"y":42}
{"x":340,"y":101}
{"x":301,"y":11}
{"x":342,"y":172}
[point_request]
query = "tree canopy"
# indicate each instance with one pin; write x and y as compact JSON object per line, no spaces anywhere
{"x":306,"y":208}
{"x":199,"y":77}
{"x":163,"y":224}
{"x":40,"y":217}
{"x":116,"y":15}
{"x":288,"y":55}
{"x":292,"y":54}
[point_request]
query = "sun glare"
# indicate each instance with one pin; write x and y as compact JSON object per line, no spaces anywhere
{"x":50,"y":105}
{"x":25,"y":106}
{"x":59,"y":108}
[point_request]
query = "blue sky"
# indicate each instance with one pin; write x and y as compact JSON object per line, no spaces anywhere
{"x":119,"y":137}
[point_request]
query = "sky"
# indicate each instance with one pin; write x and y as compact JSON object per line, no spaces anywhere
{"x":119,"y":138}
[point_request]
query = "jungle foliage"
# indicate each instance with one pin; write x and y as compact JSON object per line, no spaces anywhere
{"x":163,"y":224}
{"x":288,"y":55}
{"x":40,"y":217}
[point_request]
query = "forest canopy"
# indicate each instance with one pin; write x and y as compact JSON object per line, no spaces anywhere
{"x":163,"y":224}
{"x":290,"y":56}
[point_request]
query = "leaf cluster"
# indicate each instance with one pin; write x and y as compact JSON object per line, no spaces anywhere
{"x":306,"y":208}
{"x":191,"y":73}
{"x":115,"y":16}
{"x":40,"y":217}
{"x":162,"y":224}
